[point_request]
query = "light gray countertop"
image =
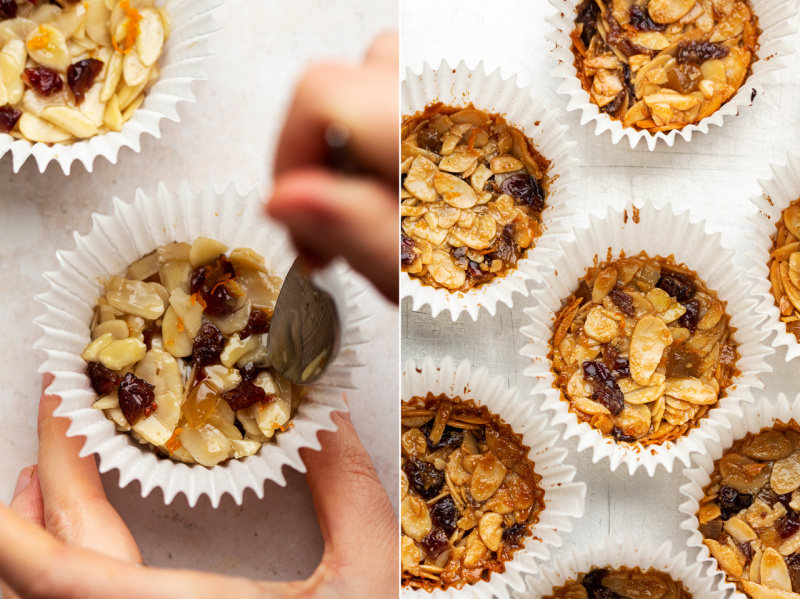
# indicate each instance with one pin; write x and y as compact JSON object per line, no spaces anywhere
{"x":714,"y":176}
{"x":227,"y":135}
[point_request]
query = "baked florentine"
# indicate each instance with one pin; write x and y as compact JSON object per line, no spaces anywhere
{"x":73,"y":69}
{"x":663,"y":64}
{"x":178,"y":353}
{"x":469,"y":493}
{"x":643,"y":349}
{"x":784,"y":267}
{"x":749,"y":513}
{"x":473,"y":192}
{"x":622,"y":583}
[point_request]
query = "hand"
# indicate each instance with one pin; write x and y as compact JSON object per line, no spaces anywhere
{"x":330,"y":213}
{"x":61,"y":538}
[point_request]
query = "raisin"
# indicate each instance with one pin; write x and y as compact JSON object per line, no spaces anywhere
{"x":594,"y":580}
{"x":587,"y":16}
{"x":505,"y":248}
{"x":136,"y":398}
{"x":731,"y":502}
{"x":250,"y":371}
{"x":476,"y":274}
{"x":451,"y":438}
{"x":217,"y":286}
{"x":460,"y":257}
{"x":444,"y":513}
{"x":428,"y":139}
{"x":622,"y":301}
{"x":619,"y":435}
{"x":699,"y":52}
{"x":103,"y":380}
{"x":44,"y":80}
{"x":258,"y":323}
{"x":525,"y":189}
{"x":615,"y":104}
{"x":435,"y":542}
{"x":793,"y":564}
{"x":424,"y":478}
{"x":8,"y":9}
{"x":513,"y":535}
{"x":746,"y":550}
{"x":208,"y":345}
{"x":8,"y":118}
{"x":604,"y":593}
{"x":787,"y":526}
{"x":677,"y":285}
{"x":626,"y":75}
{"x":785,"y":500}
{"x":711,"y":530}
{"x":407,"y":254}
{"x":691,"y":317}
{"x":622,"y":368}
{"x":148,"y":333}
{"x":246,"y":395}
{"x":641,"y":20}
{"x":81,"y":76}
{"x":606,"y":390}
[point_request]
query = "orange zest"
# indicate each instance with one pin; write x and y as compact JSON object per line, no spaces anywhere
{"x":41,"y":40}
{"x":132,"y":29}
{"x":174,"y":443}
{"x":286,"y":427}
{"x":181,"y":327}
{"x":196,"y":299}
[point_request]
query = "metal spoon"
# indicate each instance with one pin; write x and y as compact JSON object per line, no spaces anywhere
{"x":306,"y":326}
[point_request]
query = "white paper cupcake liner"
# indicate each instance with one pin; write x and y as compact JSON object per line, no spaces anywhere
{"x":133,"y":230}
{"x":775,"y":21}
{"x":564,"y":499}
{"x":658,"y":232}
{"x":523,"y":109}
{"x":629,"y":552}
{"x":180,"y":66}
{"x":752,"y":419}
{"x":779,"y":192}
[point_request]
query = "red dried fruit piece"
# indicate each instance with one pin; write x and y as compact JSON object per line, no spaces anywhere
{"x":435,"y":543}
{"x":699,"y":52}
{"x":8,"y":118}
{"x":641,"y":20}
{"x":677,"y":285}
{"x":606,"y":390}
{"x":788,"y":526}
{"x":622,"y":301}
{"x":216,"y":284}
{"x":103,"y":380}
{"x":587,"y":16}
{"x":444,"y":513}
{"x":428,"y":139}
{"x":81,"y":76}
{"x":691,"y":317}
{"x":424,"y":478}
{"x":407,"y":255}
{"x":525,"y":189}
{"x":208,"y":345}
{"x":44,"y":80}
{"x":136,"y":398}
{"x":246,"y":395}
{"x":505,"y":248}
{"x":615,"y":104}
{"x":258,"y":324}
{"x":250,"y":371}
{"x":8,"y":9}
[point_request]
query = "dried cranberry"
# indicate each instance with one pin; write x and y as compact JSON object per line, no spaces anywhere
{"x":8,"y":118}
{"x":787,"y":526}
{"x":250,"y":371}
{"x":677,"y":285}
{"x":103,"y":380}
{"x":699,"y":52}
{"x":136,"y":398}
{"x":642,"y":21}
{"x":216,"y":285}
{"x":476,"y":274}
{"x":785,"y":500}
{"x":257,"y":324}
{"x":407,"y":254}
{"x":619,"y":435}
{"x":587,"y":16}
{"x":622,"y":368}
{"x":606,"y":390}
{"x":622,"y":301}
{"x":424,"y":478}
{"x":691,"y":317}
{"x":731,"y":502}
{"x":445,"y":514}
{"x":615,"y":104}
{"x":435,"y":543}
{"x":81,"y":76}
{"x":793,"y":564}
{"x":525,"y":189}
{"x":428,"y":139}
{"x":746,"y":549}
{"x":246,"y":395}
{"x":208,"y":345}
{"x":44,"y":80}
{"x":8,"y":9}
{"x":451,"y":438}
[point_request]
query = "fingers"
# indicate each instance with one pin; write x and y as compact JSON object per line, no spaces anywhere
{"x":27,"y":502}
{"x":330,"y":215}
{"x":364,"y":99}
{"x":385,"y":50}
{"x":75,"y":506}
{"x":356,"y":517}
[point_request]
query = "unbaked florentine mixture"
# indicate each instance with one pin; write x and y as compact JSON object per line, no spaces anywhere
{"x":622,"y":583}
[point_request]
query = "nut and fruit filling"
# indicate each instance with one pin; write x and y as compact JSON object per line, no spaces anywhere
{"x":643,"y":349}
{"x":178,"y":353}
{"x":784,"y":268}
{"x":73,"y":69}
{"x":469,"y":493}
{"x":622,"y":583}
{"x":473,"y":192}
{"x":663,"y":64}
{"x":749,"y":514}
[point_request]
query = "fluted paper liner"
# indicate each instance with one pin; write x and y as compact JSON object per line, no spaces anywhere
{"x":524,"y":110}
{"x":133,"y":230}
{"x":564,"y":499}
{"x":779,"y":192}
{"x":658,"y":232}
{"x":775,"y":21}
{"x":754,"y":417}
{"x":179,"y":66}
{"x":630,"y":552}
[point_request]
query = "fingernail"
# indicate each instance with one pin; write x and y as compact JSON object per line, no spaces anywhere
{"x":24,"y":480}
